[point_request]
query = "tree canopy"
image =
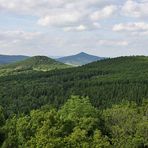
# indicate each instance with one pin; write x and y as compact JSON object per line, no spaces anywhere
{"x":79,"y":124}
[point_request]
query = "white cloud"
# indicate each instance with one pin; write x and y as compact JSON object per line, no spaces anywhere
{"x":13,"y":39}
{"x":104,"y":13}
{"x":135,"y":9}
{"x":138,"y":26}
{"x":82,"y":27}
{"x":77,"y":28}
{"x":136,"y":33}
{"x":92,"y":18}
{"x":18,"y":35}
{"x":113,"y":43}
{"x":60,"y":19}
{"x":29,"y":5}
{"x":24,"y":5}
{"x":61,"y":13}
{"x":96,"y":25}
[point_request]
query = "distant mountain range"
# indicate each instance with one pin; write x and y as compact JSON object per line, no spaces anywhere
{"x":6,"y":59}
{"x":79,"y":59}
{"x":75,"y":60}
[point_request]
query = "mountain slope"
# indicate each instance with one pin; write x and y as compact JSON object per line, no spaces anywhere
{"x":7,"y":59}
{"x":37,"y":63}
{"x":118,"y":88}
{"x":106,"y":82}
{"x":79,"y":59}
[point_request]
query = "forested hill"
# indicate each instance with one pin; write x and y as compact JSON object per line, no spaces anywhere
{"x":7,"y":59}
{"x":124,"y":68}
{"x":113,"y":115}
{"x":37,"y":63}
{"x":79,"y":59}
{"x":106,"y":82}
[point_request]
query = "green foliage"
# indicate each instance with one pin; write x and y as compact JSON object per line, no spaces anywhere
{"x":76,"y":108}
{"x":2,"y":117}
{"x":44,"y":128}
{"x":125,"y":125}
{"x":2,"y":122}
{"x":99,"y":141}
{"x":37,"y":63}
{"x":78,"y":121}
{"x":105,"y":82}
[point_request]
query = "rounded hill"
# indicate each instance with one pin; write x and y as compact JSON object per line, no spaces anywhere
{"x":36,"y":63}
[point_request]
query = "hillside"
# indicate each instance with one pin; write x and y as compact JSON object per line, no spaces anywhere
{"x":106,"y":82}
{"x":37,"y":63}
{"x":7,"y":59}
{"x":103,"y":104}
{"x":79,"y":59}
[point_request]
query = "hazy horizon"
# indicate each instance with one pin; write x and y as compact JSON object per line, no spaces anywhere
{"x":60,"y":56}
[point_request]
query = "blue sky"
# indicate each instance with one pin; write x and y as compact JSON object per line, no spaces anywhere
{"x":63,"y":27}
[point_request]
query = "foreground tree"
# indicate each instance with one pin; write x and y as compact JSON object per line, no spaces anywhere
{"x":76,"y":124}
{"x":79,"y":125}
{"x":127,"y":125}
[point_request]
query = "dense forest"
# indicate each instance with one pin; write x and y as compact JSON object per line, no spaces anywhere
{"x":37,"y":109}
{"x":105,"y":82}
{"x":77,"y":124}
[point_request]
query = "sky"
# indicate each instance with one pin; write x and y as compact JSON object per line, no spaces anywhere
{"x":107,"y":28}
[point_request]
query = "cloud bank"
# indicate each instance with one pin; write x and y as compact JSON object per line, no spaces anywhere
{"x":103,"y":27}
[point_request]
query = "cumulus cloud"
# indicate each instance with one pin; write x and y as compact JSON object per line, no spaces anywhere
{"x":80,"y":28}
{"x":106,"y":12}
{"x":136,"y":33}
{"x":73,"y":16}
{"x":61,"y":13}
{"x":138,"y":26}
{"x":134,"y":8}
{"x":24,"y":5}
{"x":73,"y":25}
{"x":18,"y":35}
{"x":60,"y":19}
{"x":77,"y":28}
{"x":113,"y":43}
{"x":27,"y":6}
{"x":12,"y":38}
